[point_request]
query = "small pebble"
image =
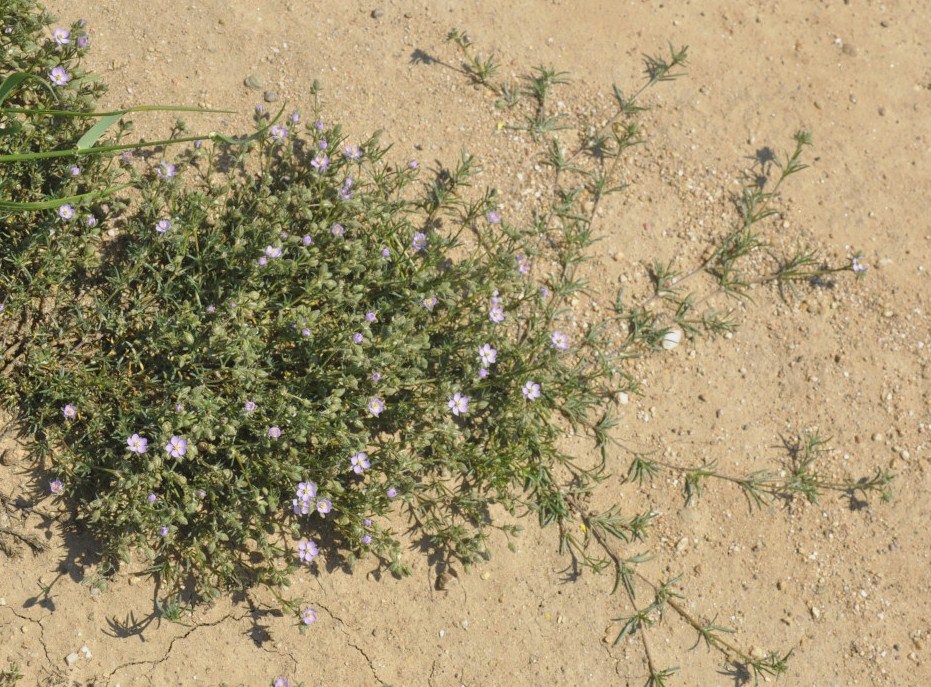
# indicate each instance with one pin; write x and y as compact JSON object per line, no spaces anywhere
{"x":672,"y":339}
{"x":443,"y":581}
{"x":253,"y":82}
{"x":442,"y":633}
{"x":877,"y":437}
{"x":815,"y":612}
{"x":485,"y":575}
{"x":378,"y":14}
{"x":623,"y":398}
{"x":270,"y":96}
{"x":2,"y":601}
{"x":71,"y":658}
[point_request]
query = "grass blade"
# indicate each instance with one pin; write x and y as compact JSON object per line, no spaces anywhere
{"x":13,"y":81}
{"x":91,"y":136}
{"x":138,"y":108}
{"x":58,"y":202}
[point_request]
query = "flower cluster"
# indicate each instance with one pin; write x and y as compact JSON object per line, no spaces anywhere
{"x":496,"y":312}
{"x":307,"y":500}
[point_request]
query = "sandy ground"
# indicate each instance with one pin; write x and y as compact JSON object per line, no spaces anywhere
{"x":846,"y":585}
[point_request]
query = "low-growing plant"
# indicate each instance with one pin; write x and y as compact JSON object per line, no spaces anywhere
{"x":283,"y":339}
{"x":11,"y":676}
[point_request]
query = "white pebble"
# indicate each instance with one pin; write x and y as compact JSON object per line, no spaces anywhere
{"x":71,"y":658}
{"x":672,"y":339}
{"x":623,"y":398}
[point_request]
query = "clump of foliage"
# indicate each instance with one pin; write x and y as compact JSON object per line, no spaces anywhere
{"x":281,"y":329}
{"x":283,"y":338}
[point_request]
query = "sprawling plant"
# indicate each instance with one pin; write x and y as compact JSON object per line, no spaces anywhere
{"x":280,"y":339}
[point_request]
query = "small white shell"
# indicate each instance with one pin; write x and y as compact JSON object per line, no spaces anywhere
{"x":672,"y":339}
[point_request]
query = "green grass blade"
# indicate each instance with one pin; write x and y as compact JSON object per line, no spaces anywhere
{"x":92,"y":135}
{"x":13,"y":81}
{"x":10,"y":83}
{"x":138,"y":108}
{"x":47,"y":154}
{"x":58,"y":202}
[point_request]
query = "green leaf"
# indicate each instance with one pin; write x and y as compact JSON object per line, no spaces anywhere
{"x":13,"y":81}
{"x":10,"y":83}
{"x":91,"y":136}
{"x":138,"y":108}
{"x":58,"y":202}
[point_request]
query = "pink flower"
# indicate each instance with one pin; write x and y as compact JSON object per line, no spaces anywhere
{"x":459,"y":404}
{"x":59,"y":76}
{"x":531,"y":391}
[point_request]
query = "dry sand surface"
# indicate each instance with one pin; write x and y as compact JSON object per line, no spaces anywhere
{"x":846,"y":584}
